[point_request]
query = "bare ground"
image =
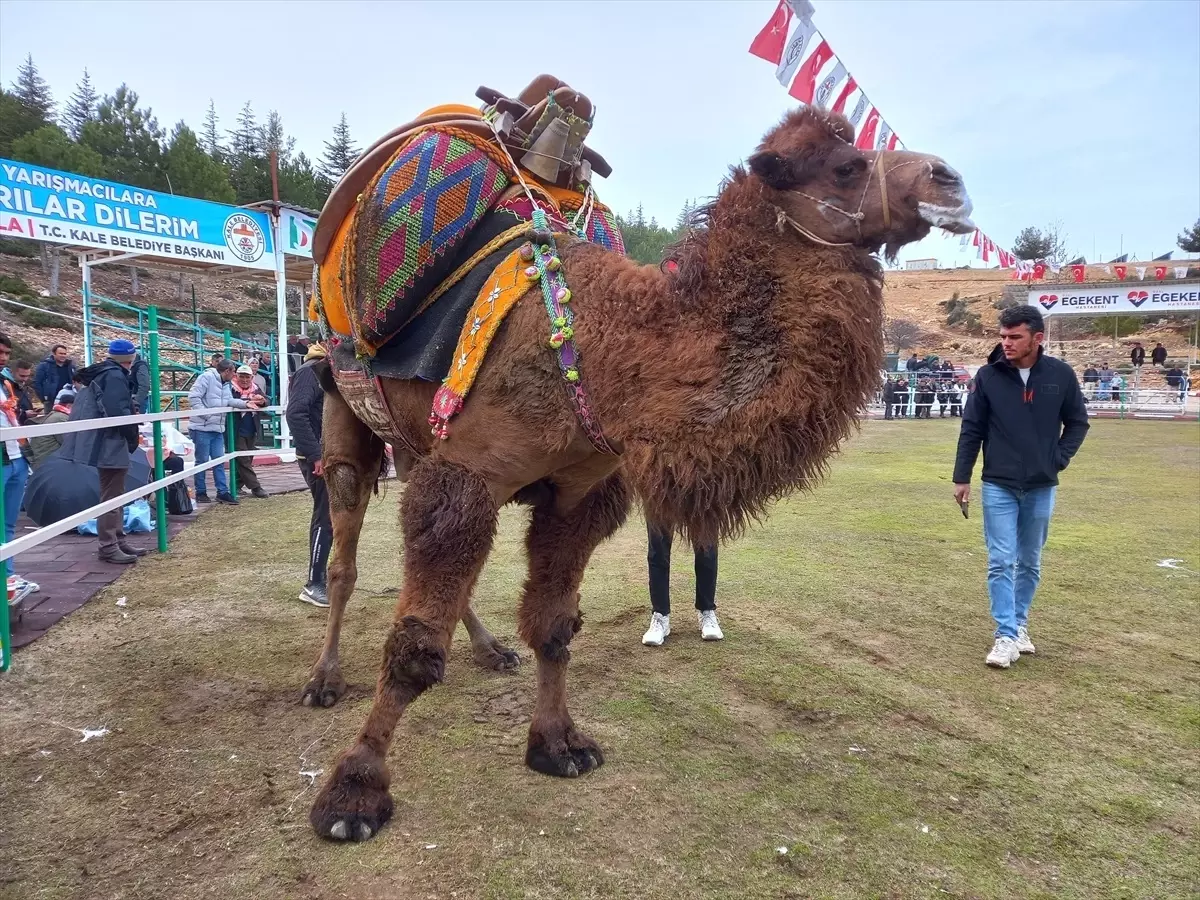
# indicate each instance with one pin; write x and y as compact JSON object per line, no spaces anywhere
{"x":847,"y":718}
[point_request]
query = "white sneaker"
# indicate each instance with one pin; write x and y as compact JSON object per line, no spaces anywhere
{"x":710,"y":628}
{"x":1004,"y":653}
{"x":315,"y":594}
{"x":19,"y":589}
{"x":660,"y":627}
{"x":1024,"y":644}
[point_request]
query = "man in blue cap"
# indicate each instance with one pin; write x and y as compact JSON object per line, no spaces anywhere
{"x":107,"y":393}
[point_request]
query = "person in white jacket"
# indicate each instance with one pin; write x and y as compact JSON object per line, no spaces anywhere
{"x":212,"y":390}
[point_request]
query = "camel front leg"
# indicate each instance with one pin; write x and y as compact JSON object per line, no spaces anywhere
{"x":560,"y":543}
{"x":449,"y":520}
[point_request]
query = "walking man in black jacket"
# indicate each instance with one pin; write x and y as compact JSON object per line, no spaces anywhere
{"x":1027,"y":412}
{"x":306,"y":401}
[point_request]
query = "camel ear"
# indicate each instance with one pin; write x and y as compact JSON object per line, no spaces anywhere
{"x":773,"y":169}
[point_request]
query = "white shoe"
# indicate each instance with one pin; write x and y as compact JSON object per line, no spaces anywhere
{"x":1004,"y":653}
{"x":19,"y":589}
{"x":315,"y":594}
{"x":710,"y":628}
{"x":660,"y":627}
{"x":1024,"y":644}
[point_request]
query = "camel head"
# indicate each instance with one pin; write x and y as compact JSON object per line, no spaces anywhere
{"x":833,"y":193}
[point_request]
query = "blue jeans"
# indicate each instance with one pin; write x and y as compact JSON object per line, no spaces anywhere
{"x":1015,"y":525}
{"x":209,"y":445}
{"x":16,"y":473}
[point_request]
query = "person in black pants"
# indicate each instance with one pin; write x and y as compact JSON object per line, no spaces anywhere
{"x":306,"y":400}
{"x":659,"y":559}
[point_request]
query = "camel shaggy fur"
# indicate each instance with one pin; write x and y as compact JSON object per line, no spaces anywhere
{"x":723,"y":385}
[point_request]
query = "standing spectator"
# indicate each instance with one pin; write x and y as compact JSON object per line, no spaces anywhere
{"x":1104,"y":387}
{"x":306,"y":401}
{"x":1027,"y":412}
{"x":1176,"y":380}
{"x":955,"y":400}
{"x":139,"y":379}
{"x":245,"y":437}
{"x":107,"y":393}
{"x":42,"y":446}
{"x":1091,"y":377}
{"x":214,"y":359}
{"x":22,"y":374}
{"x":260,"y":380}
{"x":943,"y":397}
{"x":1137,"y":355}
{"x":15,"y":469}
{"x":1158,"y":355}
{"x":212,"y":391}
{"x":658,"y":557}
{"x":889,"y":396}
{"x":900,"y":398}
{"x":925,"y":396}
{"x":1117,"y":383}
{"x":54,"y":373}
{"x":912,"y":363}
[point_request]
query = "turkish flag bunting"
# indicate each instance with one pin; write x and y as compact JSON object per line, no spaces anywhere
{"x":894,"y":141}
{"x":975,"y":239}
{"x":805,"y":84}
{"x":1160,"y":272}
{"x":839,"y":105}
{"x":1078,"y":273}
{"x":770,"y":41}
{"x":984,"y":249}
{"x":1121,"y":271}
{"x":1039,"y":270}
{"x":866,"y":137}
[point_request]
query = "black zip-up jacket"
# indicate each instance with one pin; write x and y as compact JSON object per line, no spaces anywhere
{"x":1028,"y":432}
{"x":306,"y":400}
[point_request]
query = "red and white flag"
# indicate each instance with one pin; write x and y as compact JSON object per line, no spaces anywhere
{"x":1039,"y":271}
{"x":894,"y":141}
{"x":983,"y":251}
{"x":1141,"y":270}
{"x":1160,"y":272}
{"x":859,"y":108}
{"x":804,"y":88}
{"x":975,"y":238}
{"x":1121,"y":271}
{"x":839,"y":105}
{"x":1078,"y":272}
{"x":770,"y":41}
{"x":794,"y":51}
{"x":866,"y":137}
{"x":1181,"y":271}
{"x":828,"y":84}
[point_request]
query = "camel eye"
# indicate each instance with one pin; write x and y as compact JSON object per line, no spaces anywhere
{"x":845,"y":170}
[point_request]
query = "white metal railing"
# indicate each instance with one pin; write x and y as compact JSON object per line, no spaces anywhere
{"x":46,"y":532}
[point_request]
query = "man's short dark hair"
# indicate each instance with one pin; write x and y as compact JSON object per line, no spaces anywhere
{"x":5,"y":341}
{"x":225,"y":365}
{"x":1023,"y":314}
{"x":21,"y":364}
{"x":58,"y":347}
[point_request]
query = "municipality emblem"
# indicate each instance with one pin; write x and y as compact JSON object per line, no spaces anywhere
{"x":244,"y":238}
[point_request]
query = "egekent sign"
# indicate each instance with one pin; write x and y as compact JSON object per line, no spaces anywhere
{"x":62,"y":208}
{"x":1123,"y":298}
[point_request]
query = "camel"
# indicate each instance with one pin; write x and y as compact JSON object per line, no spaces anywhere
{"x":721,"y":384}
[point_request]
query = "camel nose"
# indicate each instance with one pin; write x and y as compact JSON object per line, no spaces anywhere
{"x":944,"y":175}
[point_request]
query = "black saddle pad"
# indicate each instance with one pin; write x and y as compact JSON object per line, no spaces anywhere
{"x":424,"y":348}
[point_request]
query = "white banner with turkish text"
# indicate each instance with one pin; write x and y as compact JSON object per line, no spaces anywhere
{"x":1100,"y":299}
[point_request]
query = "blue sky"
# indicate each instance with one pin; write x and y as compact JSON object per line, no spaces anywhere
{"x":1084,"y":112}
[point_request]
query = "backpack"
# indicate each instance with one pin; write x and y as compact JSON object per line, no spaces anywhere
{"x":179,"y":501}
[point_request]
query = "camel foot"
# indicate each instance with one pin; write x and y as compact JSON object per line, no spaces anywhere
{"x":324,"y":688}
{"x":354,"y":803}
{"x":566,"y":754}
{"x":493,"y":655}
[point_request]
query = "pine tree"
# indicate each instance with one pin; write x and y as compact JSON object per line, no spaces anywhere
{"x":211,"y":140}
{"x":33,"y":91}
{"x":192,"y":172}
{"x":274,"y":138}
{"x":1189,"y":239}
{"x":16,"y":120}
{"x":129,"y":140}
{"x":81,"y":108}
{"x":340,"y":153}
{"x":246,"y":141}
{"x":49,"y":146}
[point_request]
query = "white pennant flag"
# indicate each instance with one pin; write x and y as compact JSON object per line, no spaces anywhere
{"x":828,"y":84}
{"x":1108,"y":270}
{"x":859,"y":109}
{"x":1141,"y":270}
{"x":794,"y":51}
{"x":964,"y":240}
{"x":1054,"y":267}
{"x":1181,"y":271}
{"x":802,"y":8}
{"x":885,"y":134}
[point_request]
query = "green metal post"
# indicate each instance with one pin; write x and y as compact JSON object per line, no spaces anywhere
{"x":160,"y":497}
{"x":230,"y":427}
{"x":5,"y":625}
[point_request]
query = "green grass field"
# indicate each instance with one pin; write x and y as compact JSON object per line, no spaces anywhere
{"x":847,"y":718}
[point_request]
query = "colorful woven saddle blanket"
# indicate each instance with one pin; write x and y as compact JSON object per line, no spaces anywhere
{"x":437,"y":210}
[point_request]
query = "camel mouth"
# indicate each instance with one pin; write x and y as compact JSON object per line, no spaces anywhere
{"x":954,"y":219}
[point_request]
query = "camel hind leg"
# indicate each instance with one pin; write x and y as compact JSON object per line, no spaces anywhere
{"x":352,"y":456}
{"x":449,"y":518}
{"x":563,"y":533}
